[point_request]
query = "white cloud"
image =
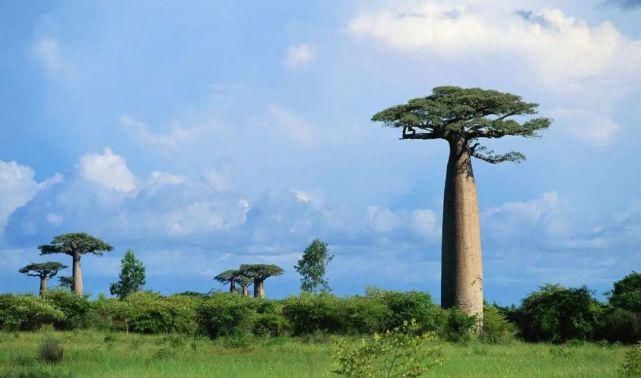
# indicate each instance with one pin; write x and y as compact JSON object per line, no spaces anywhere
{"x":591,"y":127}
{"x":424,"y":222}
{"x":17,"y":187}
{"x":160,"y":178}
{"x":562,"y":49}
{"x":292,"y":125}
{"x":300,"y":55}
{"x":54,"y":219}
{"x":218,"y":178}
{"x":48,"y":52}
{"x":108,"y":170}
{"x":175,"y":137}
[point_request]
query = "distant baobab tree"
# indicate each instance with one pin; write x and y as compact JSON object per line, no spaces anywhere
{"x":462,"y":117}
{"x":44,"y":271}
{"x":259,"y":273}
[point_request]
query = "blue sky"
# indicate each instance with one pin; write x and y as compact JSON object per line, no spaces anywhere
{"x":208,"y":134}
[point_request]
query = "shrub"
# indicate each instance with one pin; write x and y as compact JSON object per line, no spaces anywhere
{"x":51,"y":351}
{"x":362,"y":315}
{"x":73,"y":306}
{"x":398,"y":353}
{"x":226,"y":314}
{"x":619,"y":325}
{"x":269,"y":325}
{"x":310,"y":313}
{"x":559,"y":314}
{"x":631,"y":366}
{"x":407,"y":306}
{"x":458,"y":326}
{"x":26,"y":312}
{"x":496,"y":328}
{"x":626,"y":293}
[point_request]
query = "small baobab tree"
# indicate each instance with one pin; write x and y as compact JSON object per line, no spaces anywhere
{"x":76,"y":245}
{"x":44,"y":271}
{"x":462,"y":117}
{"x":228,"y":277}
{"x":259,"y":273}
{"x":244,"y":283}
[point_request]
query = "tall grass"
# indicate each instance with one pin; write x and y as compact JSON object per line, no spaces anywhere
{"x":99,"y":354}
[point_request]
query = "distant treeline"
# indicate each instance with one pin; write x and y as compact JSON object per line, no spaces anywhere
{"x":551,"y":314}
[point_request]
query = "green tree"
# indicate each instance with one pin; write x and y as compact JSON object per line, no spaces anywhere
{"x":44,"y":271}
{"x":65,"y":282}
{"x":76,"y":245}
{"x":626,"y":293}
{"x":228,"y":277}
{"x":259,"y":273}
{"x":312,"y":266}
{"x":462,"y":117}
{"x":132,"y":276}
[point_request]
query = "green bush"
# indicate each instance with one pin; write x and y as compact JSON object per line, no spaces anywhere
{"x":362,"y":315}
{"x":457,"y":327}
{"x":631,"y":366}
{"x":226,"y":314}
{"x":559,"y":314}
{"x":51,"y":351}
{"x":269,"y":325}
{"x":310,"y":313}
{"x":619,"y":325}
{"x":74,"y":307}
{"x":26,"y":312}
{"x":407,"y":306}
{"x":626,"y":293}
{"x":496,"y":328}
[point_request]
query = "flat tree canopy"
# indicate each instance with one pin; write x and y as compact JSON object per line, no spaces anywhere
{"x":228,"y":276}
{"x":75,"y":243}
{"x":466,"y":115}
{"x":42,"y":270}
{"x":260,"y":271}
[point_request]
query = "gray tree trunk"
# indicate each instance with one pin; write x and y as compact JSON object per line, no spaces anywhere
{"x":462,"y":265}
{"x":232,"y":286}
{"x":77,"y":274}
{"x":43,"y":285}
{"x":245,"y":291}
{"x":259,"y":288}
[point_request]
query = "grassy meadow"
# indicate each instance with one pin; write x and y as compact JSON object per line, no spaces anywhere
{"x":100,"y":354}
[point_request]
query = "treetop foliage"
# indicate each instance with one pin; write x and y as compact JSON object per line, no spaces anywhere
{"x":465,"y":114}
{"x":228,"y":276}
{"x":312,"y":266}
{"x":260,"y":271}
{"x":131,"y":278}
{"x":75,"y":243}
{"x":627,"y":293}
{"x":42,"y":270}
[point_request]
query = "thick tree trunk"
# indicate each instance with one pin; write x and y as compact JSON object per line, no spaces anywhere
{"x":462,"y":266}
{"x":77,"y":275}
{"x":259,"y":288}
{"x":245,"y":291}
{"x":43,"y":285}
{"x":232,"y":286}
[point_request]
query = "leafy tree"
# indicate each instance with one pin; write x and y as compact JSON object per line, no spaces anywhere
{"x":626,"y":293}
{"x":132,"y":276}
{"x":244,"y":283}
{"x":259,"y":273}
{"x":228,"y":277}
{"x":312,"y":266}
{"x":44,"y":271}
{"x":462,"y":117}
{"x":65,"y":282}
{"x":76,"y":245}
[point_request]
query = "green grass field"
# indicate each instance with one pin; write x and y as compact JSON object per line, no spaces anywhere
{"x":97,"y":354}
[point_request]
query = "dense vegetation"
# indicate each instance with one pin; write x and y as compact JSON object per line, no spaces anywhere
{"x":551,"y":314}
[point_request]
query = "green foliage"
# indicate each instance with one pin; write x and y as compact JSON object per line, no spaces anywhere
{"x":407,"y":306}
{"x":42,"y":270}
{"x":26,"y":312}
{"x":74,"y":307}
{"x":626,"y":293}
{"x":260,"y":271}
{"x":312,"y":266}
{"x":225,"y":314}
{"x":631,"y":366}
{"x":496,"y":328}
{"x":457,"y":327}
{"x":51,"y":351}
{"x":65,"y":282}
{"x":75,"y":243}
{"x":466,"y":114}
{"x":559,"y":314}
{"x":132,"y":276}
{"x":396,"y":353}
{"x":619,"y":325}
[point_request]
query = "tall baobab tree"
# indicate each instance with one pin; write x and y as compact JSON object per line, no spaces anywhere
{"x":259,"y":273}
{"x":76,"y":245}
{"x":462,"y":117}
{"x":228,"y":277}
{"x":44,"y":271}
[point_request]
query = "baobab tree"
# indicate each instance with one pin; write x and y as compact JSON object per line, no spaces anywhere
{"x":244,"y":283}
{"x":228,"y":277}
{"x":259,"y":273}
{"x":462,"y":117}
{"x":76,"y":245}
{"x":44,"y":271}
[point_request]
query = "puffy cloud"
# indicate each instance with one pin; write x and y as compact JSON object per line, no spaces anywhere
{"x":48,"y":52}
{"x":589,"y":126}
{"x":107,"y":170}
{"x":160,"y":178}
{"x":17,"y":187}
{"x":300,"y":55}
{"x":564,"y":50}
{"x":292,"y":125}
{"x":175,"y":137}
